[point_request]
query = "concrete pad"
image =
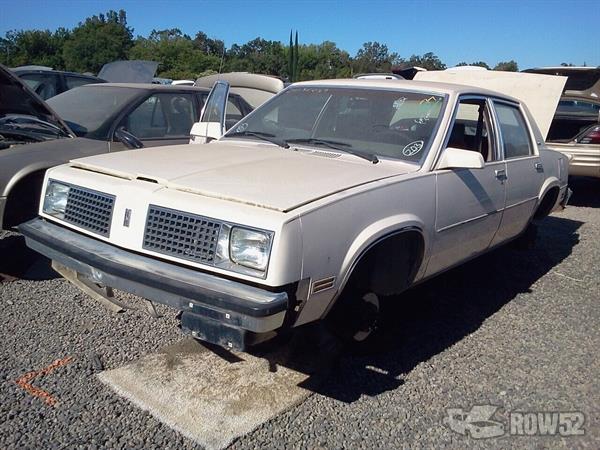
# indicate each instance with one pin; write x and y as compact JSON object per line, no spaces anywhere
{"x":210,"y":396}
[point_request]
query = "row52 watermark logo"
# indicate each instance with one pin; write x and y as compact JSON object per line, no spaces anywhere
{"x":479,"y":422}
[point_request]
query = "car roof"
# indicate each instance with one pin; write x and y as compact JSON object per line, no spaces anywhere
{"x":423,"y":86}
{"x":149,"y":86}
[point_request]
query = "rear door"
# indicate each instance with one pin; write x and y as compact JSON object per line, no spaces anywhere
{"x":524,"y":169}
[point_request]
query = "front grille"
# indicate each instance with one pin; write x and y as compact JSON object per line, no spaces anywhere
{"x":181,"y":234}
{"x":88,"y":209}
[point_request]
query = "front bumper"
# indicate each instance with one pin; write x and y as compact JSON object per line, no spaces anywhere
{"x":214,"y":309}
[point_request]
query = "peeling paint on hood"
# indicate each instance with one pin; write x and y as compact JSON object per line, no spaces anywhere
{"x":256,"y":174}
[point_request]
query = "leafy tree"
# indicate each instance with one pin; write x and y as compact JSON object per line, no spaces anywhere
{"x":428,"y":61}
{"x":257,"y":56}
{"x":40,"y":47}
{"x":97,"y":41}
{"x":177,"y":54}
{"x":374,"y":57}
{"x":323,"y":61}
{"x":507,"y":66}
{"x":208,"y":46}
{"x":477,"y":63}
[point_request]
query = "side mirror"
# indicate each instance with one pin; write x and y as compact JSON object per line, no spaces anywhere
{"x":456,"y":158}
{"x":212,"y":119}
{"x":204,"y":132}
{"x":130,"y":141}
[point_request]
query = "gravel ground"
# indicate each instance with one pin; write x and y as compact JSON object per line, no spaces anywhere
{"x":517,"y":329}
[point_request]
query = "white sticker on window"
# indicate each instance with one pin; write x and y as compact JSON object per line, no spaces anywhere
{"x":413,"y":148}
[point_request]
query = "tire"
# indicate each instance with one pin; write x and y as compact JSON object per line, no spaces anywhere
{"x":356,"y":318}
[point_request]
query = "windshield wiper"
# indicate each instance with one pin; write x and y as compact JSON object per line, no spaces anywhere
{"x":15,"y":134}
{"x":32,"y":123}
{"x":336,"y":145}
{"x":260,"y":135}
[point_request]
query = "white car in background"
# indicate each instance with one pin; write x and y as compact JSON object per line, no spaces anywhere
{"x":323,"y":200}
{"x":255,"y":89}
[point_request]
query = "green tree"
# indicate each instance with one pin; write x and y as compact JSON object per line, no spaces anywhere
{"x":477,"y":63}
{"x":177,"y":54}
{"x":428,"y":61}
{"x":97,"y":41}
{"x":374,"y":57}
{"x":507,"y":66}
{"x":208,"y":46}
{"x":40,"y":47}
{"x":323,"y":61}
{"x":257,"y":56}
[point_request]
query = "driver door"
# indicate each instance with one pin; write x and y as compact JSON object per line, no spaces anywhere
{"x":470,"y":202}
{"x":212,"y":120}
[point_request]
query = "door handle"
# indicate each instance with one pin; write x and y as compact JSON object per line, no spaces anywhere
{"x":539,"y":167}
{"x":501,"y":174}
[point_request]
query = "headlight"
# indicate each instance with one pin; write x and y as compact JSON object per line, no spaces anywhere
{"x":55,"y":199}
{"x":250,"y":248}
{"x":244,"y":250}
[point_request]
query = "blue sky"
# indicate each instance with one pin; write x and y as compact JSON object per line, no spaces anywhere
{"x":534,"y":32}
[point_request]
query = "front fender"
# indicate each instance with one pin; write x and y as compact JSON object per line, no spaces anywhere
{"x":25,"y":171}
{"x":375,"y":233}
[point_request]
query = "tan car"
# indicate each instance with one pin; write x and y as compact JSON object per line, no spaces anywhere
{"x":575,"y":130}
{"x":328,"y":197}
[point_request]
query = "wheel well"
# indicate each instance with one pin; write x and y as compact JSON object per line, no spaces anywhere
{"x":389,"y":266}
{"x":547,"y":203}
{"x":23,"y":199}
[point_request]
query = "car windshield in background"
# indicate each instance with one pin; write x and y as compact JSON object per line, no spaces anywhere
{"x":579,"y":107}
{"x":386,"y":123}
{"x":86,"y":109}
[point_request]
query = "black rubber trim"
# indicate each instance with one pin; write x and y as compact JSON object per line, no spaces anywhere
{"x":57,"y":242}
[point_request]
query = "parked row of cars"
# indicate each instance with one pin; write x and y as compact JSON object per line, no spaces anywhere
{"x":94,"y":119}
{"x":316,"y":205}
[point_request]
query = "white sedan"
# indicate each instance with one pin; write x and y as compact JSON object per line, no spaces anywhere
{"x":323,"y":200}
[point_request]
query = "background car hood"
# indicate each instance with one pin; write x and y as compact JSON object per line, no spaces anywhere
{"x":255,"y":174}
{"x":540,"y":93}
{"x":17,"y":98}
{"x":134,"y":71}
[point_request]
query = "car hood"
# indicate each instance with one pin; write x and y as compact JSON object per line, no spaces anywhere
{"x":16,"y":98}
{"x":256,"y":174}
{"x":540,"y":93}
{"x":134,"y":71}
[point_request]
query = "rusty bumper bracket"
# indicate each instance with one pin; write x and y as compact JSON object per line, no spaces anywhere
{"x":102,"y":294}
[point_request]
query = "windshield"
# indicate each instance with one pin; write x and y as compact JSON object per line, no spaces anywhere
{"x":370,"y":122}
{"x":87,"y":109}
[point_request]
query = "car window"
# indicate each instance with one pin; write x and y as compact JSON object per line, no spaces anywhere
{"x":389,"y":123}
{"x":42,"y":84}
{"x":90,"y":110}
{"x":513,"y":128}
{"x":162,"y":116}
{"x":577,"y":107}
{"x":73,"y":82}
{"x":233,"y":113}
{"x":472,"y":129}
